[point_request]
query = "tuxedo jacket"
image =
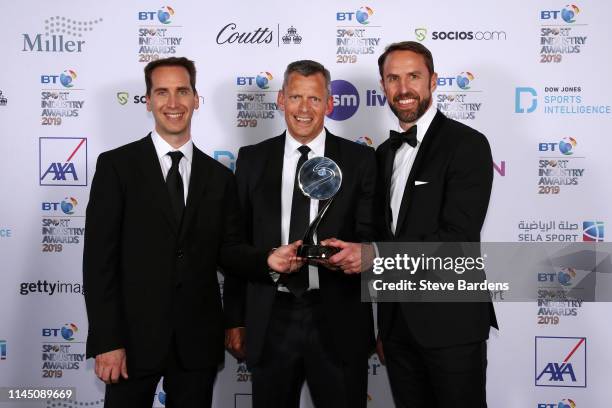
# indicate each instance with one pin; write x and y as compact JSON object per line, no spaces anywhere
{"x":454,"y":169}
{"x":346,"y":323}
{"x":148,"y":279}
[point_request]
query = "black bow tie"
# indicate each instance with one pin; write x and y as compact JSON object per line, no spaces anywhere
{"x":408,"y":136}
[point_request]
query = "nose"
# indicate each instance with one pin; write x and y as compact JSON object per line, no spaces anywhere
{"x":303,"y":106}
{"x":404,"y":86}
{"x":171,"y":100}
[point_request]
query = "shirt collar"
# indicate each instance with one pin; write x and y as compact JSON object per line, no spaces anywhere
{"x":423,"y":123}
{"x":162,"y":147}
{"x":317,"y":145}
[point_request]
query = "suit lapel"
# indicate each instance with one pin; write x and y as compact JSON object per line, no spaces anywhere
{"x":389,"y":158}
{"x":272,"y":186}
{"x":428,"y":140}
{"x":149,"y":164}
{"x":197,"y":184}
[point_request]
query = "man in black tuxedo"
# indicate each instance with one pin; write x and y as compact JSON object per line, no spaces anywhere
{"x":311,"y":326}
{"x":161,"y":217}
{"x":434,"y":184}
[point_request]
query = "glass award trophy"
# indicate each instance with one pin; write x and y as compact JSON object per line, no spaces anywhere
{"x":320,"y":179}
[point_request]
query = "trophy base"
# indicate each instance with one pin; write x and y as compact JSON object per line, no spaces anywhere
{"x":310,"y":251}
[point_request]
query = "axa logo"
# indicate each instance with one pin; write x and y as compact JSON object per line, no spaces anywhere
{"x":62,"y":161}
{"x":560,"y":361}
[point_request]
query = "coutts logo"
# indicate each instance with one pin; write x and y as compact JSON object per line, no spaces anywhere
{"x":229,"y":34}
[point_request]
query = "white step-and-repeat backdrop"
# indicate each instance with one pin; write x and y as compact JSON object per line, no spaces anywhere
{"x":532,"y":76}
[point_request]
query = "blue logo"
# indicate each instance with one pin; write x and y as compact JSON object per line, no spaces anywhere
{"x":519,"y":107}
{"x":2,"y":349}
{"x":346,"y":100}
{"x":225,"y":158}
{"x":63,"y":161}
{"x":560,"y":361}
{"x":593,"y":231}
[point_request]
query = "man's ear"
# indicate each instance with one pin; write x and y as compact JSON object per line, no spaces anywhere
{"x":280,"y":100}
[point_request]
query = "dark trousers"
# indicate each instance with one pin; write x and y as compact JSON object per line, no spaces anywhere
{"x":423,"y":377}
{"x":296,"y":351}
{"x":183,"y":388}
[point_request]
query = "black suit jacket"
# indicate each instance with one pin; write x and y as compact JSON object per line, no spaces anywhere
{"x":148,"y":279}
{"x":455,"y":161}
{"x":346,"y":322}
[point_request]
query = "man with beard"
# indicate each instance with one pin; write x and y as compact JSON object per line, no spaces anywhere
{"x":435,"y":177}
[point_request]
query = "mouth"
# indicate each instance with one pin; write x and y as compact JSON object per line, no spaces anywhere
{"x":174,"y":116}
{"x":303,"y":119}
{"x":406,"y":101}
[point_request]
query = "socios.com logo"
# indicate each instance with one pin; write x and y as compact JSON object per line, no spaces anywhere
{"x":566,"y":275}
{"x":566,"y":145}
{"x":164,"y":14}
{"x":569,"y":13}
{"x":263,"y":80}
{"x":346,"y":100}
{"x":68,"y":205}
{"x":68,"y":331}
{"x":363,"y":14}
{"x":421,"y":33}
{"x":67,"y":77}
{"x":122,"y":97}
{"x":464,"y":79}
{"x":593,"y":231}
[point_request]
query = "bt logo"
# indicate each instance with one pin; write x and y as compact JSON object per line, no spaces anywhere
{"x":262,"y":80}
{"x":519,"y":107}
{"x":565,"y":146}
{"x":346,"y":100}
{"x":65,"y":78}
{"x":568,"y":14}
{"x":67,"y":205}
{"x":564,"y":276}
{"x":163,"y":15}
{"x":566,"y":403}
{"x":67,"y":332}
{"x":462,"y":80}
{"x":362,"y":15}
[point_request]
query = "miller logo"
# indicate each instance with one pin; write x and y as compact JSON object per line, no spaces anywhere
{"x":62,"y":34}
{"x":63,"y":161}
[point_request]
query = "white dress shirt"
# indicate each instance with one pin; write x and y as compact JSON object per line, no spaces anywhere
{"x":162,"y":148}
{"x":404,"y":158}
{"x":290,"y":160}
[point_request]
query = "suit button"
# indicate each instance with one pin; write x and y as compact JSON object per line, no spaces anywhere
{"x":180,"y":253}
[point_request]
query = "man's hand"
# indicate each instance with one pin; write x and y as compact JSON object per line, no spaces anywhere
{"x":111,"y":365}
{"x":352,"y":258}
{"x":284,"y":259}
{"x":235,"y":342}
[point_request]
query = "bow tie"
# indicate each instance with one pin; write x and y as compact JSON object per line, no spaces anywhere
{"x":408,"y":136}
